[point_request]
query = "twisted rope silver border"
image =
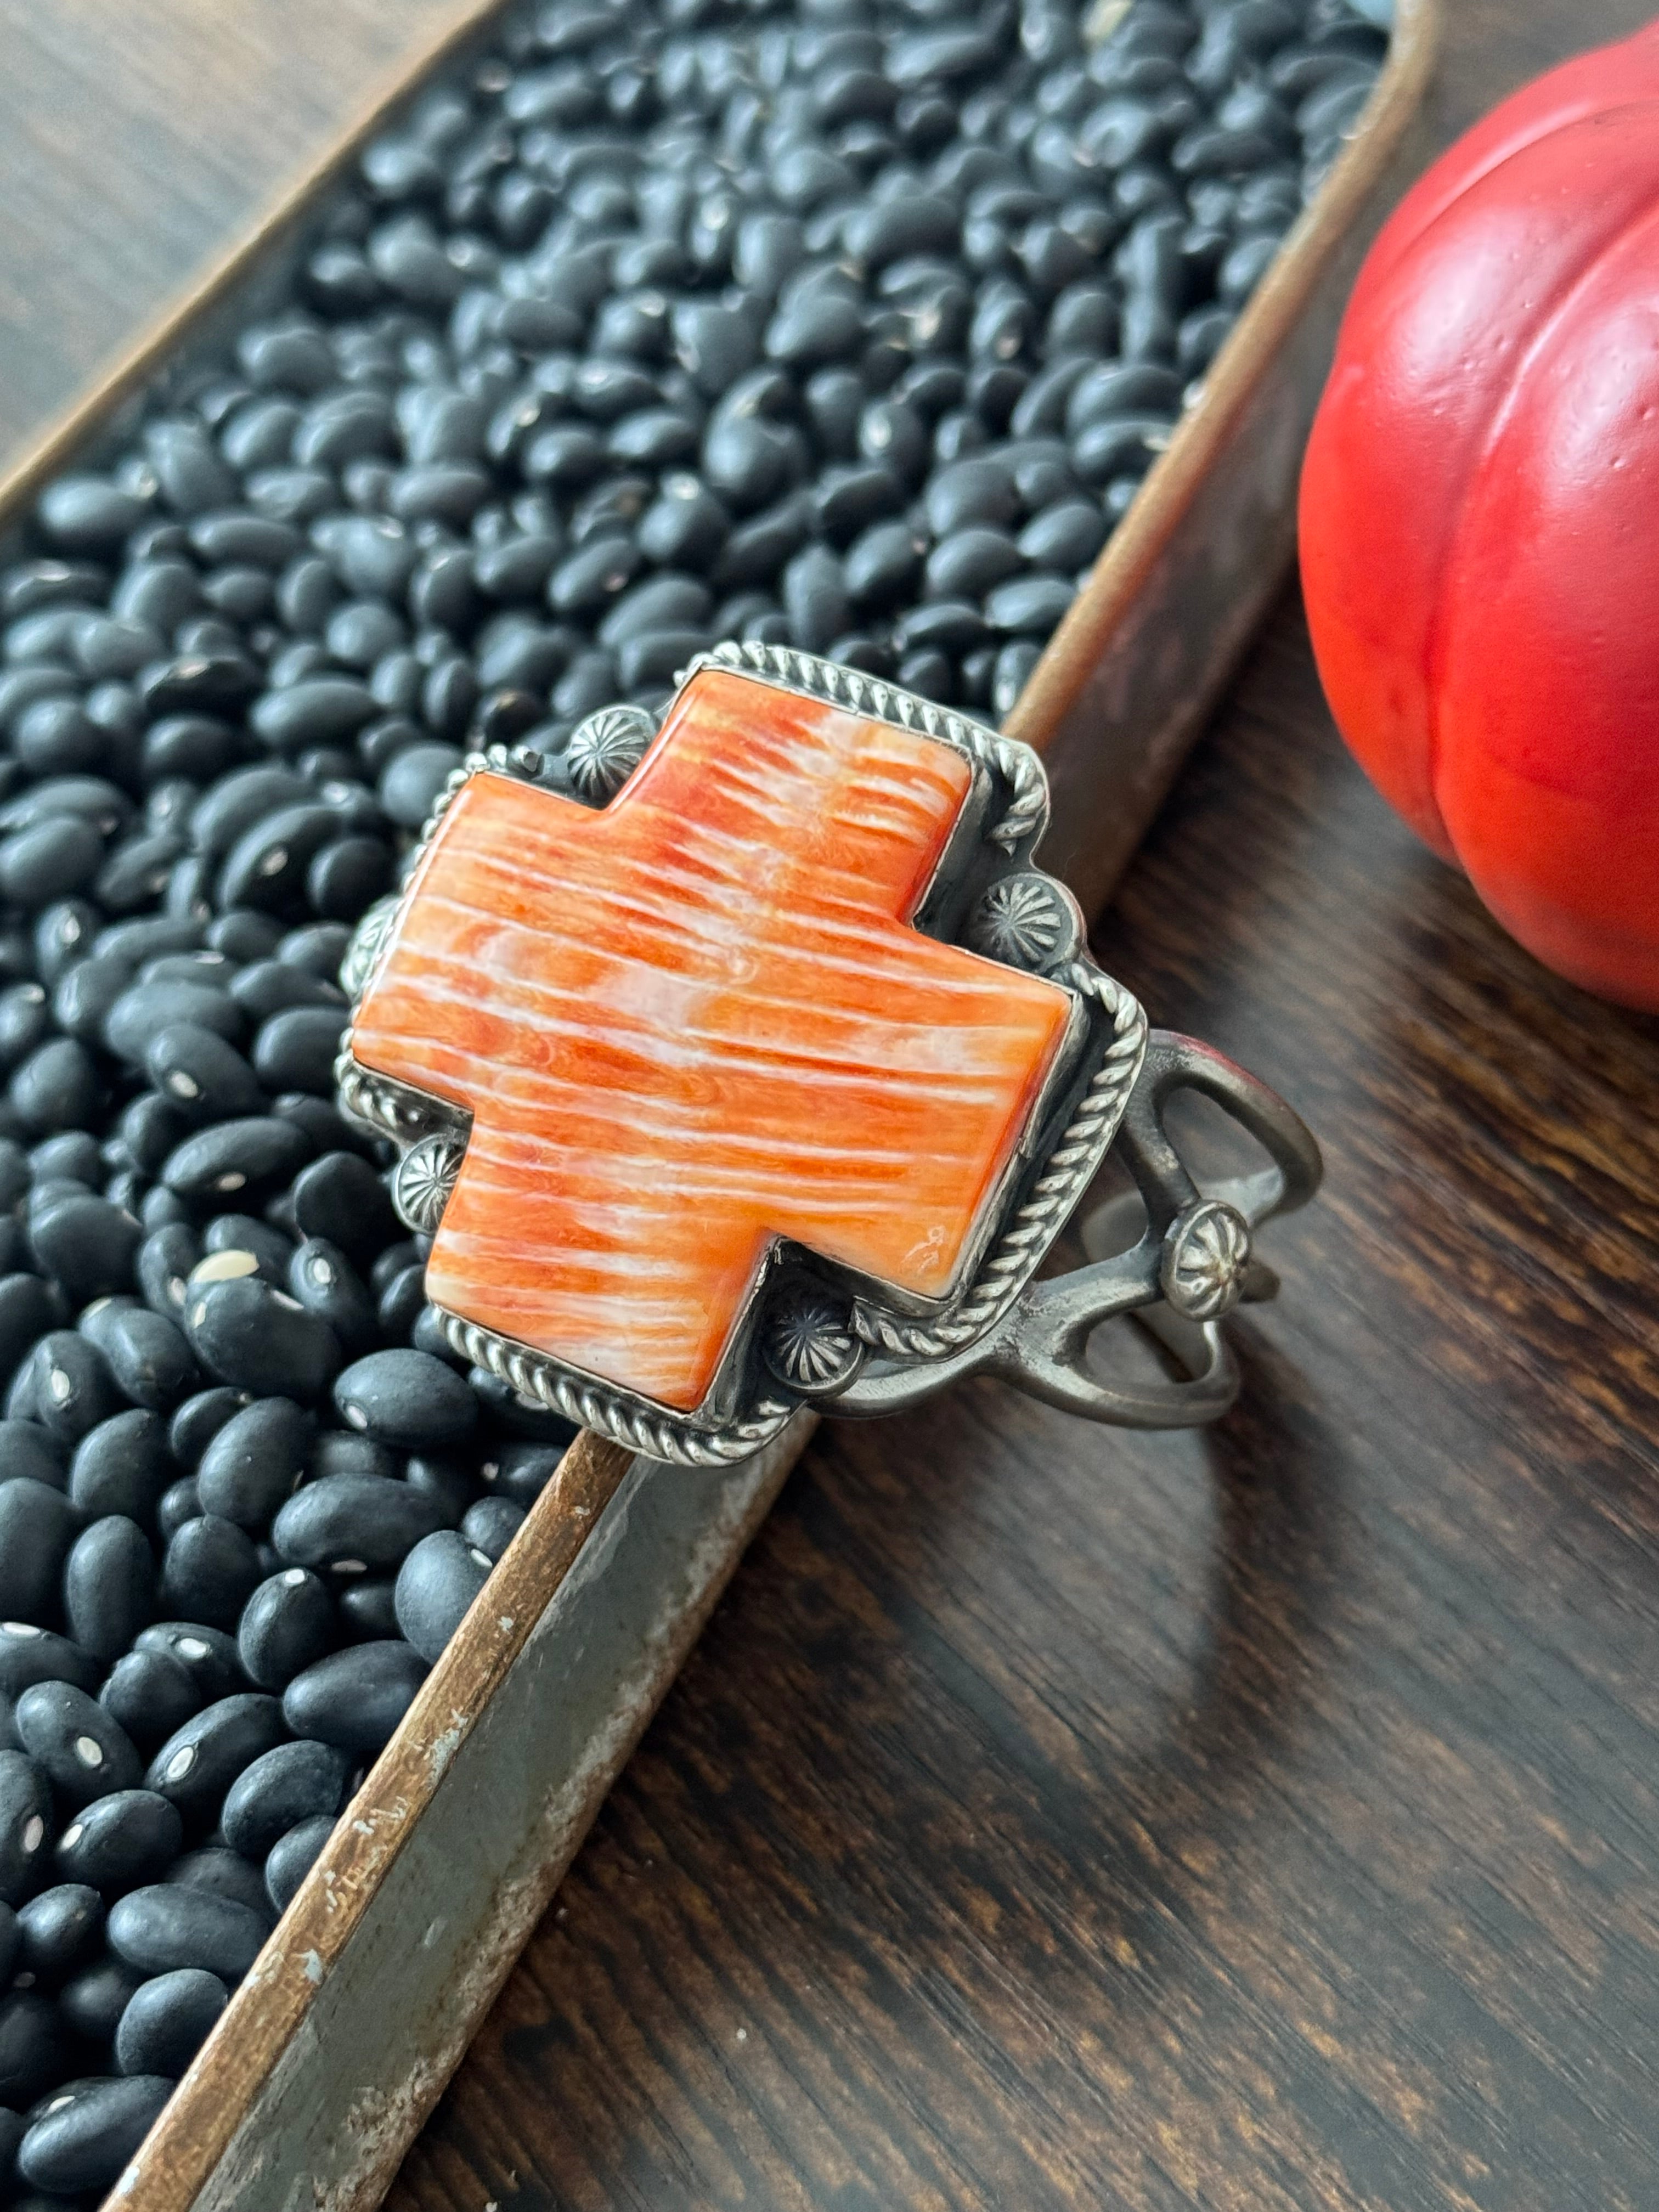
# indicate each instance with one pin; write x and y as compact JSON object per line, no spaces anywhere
{"x":594,"y":1405}
{"x":1027,"y":815}
{"x":1016,"y":1256}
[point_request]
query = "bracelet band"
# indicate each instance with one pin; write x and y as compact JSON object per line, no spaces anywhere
{"x":742,"y":1059}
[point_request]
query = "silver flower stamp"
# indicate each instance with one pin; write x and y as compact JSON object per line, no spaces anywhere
{"x":605,"y":749}
{"x":426,"y":1175}
{"x":1027,"y":920}
{"x":809,"y":1344}
{"x":1205,"y":1255}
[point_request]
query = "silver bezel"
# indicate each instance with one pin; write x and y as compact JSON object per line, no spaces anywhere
{"x":1068,"y":1135}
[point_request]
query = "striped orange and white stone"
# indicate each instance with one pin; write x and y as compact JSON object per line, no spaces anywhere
{"x":699,"y":1020}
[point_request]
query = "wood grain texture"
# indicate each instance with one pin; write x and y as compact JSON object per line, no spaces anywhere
{"x":137,"y":140}
{"x":1266,"y":1820}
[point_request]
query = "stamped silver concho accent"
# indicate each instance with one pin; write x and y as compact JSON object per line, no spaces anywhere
{"x":426,"y":1175}
{"x":1028,"y":920}
{"x":809,"y":1344}
{"x":1205,"y":1252}
{"x":605,"y":751}
{"x":1160,"y":1251}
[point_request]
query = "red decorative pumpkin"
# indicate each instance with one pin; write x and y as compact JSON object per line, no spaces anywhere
{"x":1479,"y":516}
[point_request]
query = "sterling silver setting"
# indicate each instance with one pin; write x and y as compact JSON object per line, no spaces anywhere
{"x":1177,"y":1258}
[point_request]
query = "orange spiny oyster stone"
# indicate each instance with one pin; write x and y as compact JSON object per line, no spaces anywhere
{"x":699,"y":1020}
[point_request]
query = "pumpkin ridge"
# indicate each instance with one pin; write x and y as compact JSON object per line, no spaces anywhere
{"x":1507,"y":395}
{"x":1585,"y":101}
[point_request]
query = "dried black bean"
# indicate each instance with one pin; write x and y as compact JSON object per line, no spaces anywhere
{"x":122,"y":1467}
{"x":292,"y":1859}
{"x":30,"y":1655}
{"x":87,"y":1245}
{"x":56,"y":1929}
{"x":353,"y":1524}
{"x":355,"y":1699}
{"x":266,"y":867}
{"x":210,"y":1570}
{"x":64,"y":933}
{"x":326,"y":1284}
{"x":92,"y":2001}
{"x":24,"y":1021}
{"x":239,"y":1237}
{"x":200,"y":1761}
{"x":286,"y":1625}
{"x":437,"y":1585}
{"x":208,"y":1656}
{"x":260,"y":1339}
{"x":149,"y":1129}
{"x":254,"y":1460}
{"x":150,"y":1694}
{"x":109,"y":1585}
{"x":449,"y":1487}
{"x":24,"y":1818}
{"x":58,"y":856}
{"x":167,"y":2020}
{"x":295,"y":1781}
{"x":76,"y":1742}
{"x":33,"y":2045}
{"x":167,"y":1925}
{"x":26,"y":1450}
{"x":56,"y":736}
{"x":38,"y":1525}
{"x":1065,"y":536}
{"x":405,"y":1398}
{"x":343,"y":1451}
{"x":236,"y":805}
{"x":200,"y":1419}
{"x":146,"y":1353}
{"x":412,"y":783}
{"x":217,"y":1871}
{"x":341,"y":1197}
{"x":522,"y":1471}
{"x":756,"y":550}
{"x":197,"y":1071}
{"x":56,"y":1087}
{"x":88,"y":514}
{"x":267,"y":986}
{"x":89,"y":2132}
{"x":368,"y":1607}
{"x":137,"y":1014}
{"x":114,"y":1843}
{"x":240,"y":1159}
{"x":348,"y":875}
{"x":974,"y":491}
{"x":296,"y":1050}
{"x":491,"y":1524}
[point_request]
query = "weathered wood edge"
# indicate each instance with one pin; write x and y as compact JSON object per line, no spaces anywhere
{"x":1113,"y":706}
{"x":258,"y":260}
{"x":251,"y":2114}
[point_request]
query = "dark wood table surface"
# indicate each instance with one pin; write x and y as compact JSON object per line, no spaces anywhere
{"x":1261,"y":1821}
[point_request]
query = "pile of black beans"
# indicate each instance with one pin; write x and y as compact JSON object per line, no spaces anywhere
{"x":854,"y":325}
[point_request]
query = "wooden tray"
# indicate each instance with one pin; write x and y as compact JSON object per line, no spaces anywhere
{"x":339,"y":2042}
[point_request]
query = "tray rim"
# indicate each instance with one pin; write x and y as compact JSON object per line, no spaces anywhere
{"x":1134,"y":547}
{"x":183,"y":2149}
{"x":1246,"y":359}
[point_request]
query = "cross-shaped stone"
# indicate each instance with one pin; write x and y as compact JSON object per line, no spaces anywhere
{"x":699,"y":1020}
